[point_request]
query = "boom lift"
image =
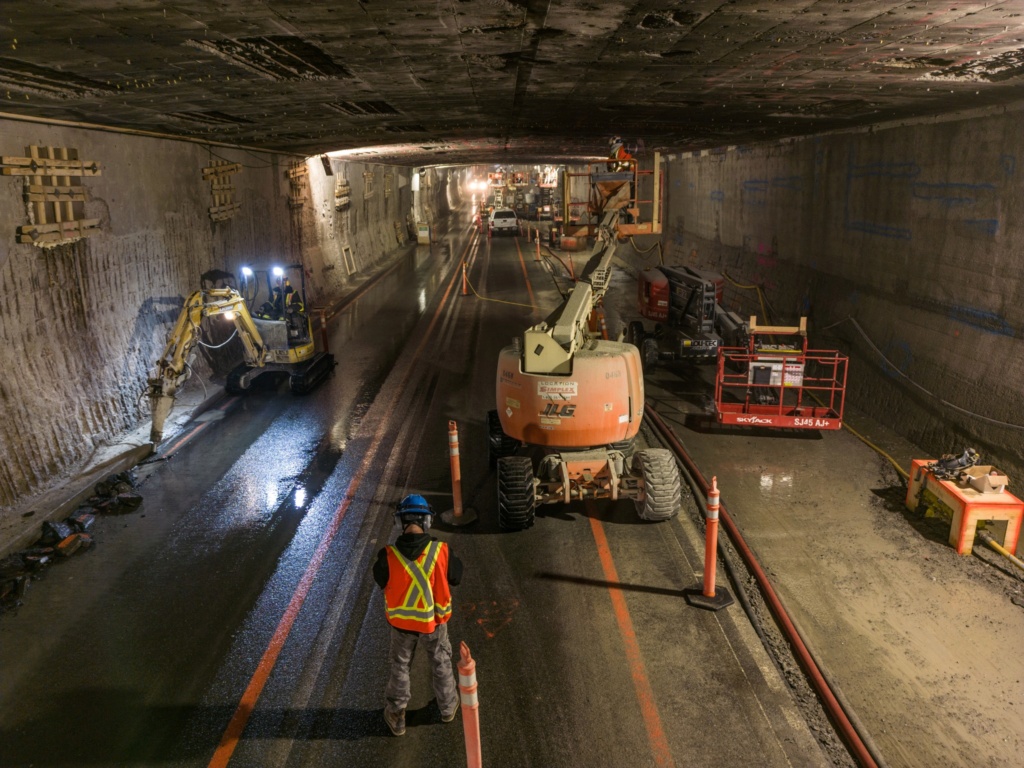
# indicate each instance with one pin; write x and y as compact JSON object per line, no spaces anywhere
{"x":576,"y":401}
{"x":691,"y":324}
{"x":776,"y":381}
{"x":278,"y":338}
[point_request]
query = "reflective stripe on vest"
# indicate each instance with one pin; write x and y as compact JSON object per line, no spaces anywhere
{"x":418,"y":610}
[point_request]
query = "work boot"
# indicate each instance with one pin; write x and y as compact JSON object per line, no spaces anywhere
{"x":395,"y":721}
{"x":451,"y":715}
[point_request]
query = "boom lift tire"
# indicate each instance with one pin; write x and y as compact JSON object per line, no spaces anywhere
{"x":499,"y":445}
{"x":662,"y":486}
{"x":516,"y":496}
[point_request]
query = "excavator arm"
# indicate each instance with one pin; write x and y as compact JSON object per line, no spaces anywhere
{"x":173,"y":367}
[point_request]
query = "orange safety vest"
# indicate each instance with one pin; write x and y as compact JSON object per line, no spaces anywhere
{"x":417,"y":595}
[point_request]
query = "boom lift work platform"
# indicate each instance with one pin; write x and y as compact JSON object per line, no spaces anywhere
{"x":772,"y":383}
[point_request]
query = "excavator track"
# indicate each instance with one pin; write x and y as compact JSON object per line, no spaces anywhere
{"x":312,"y":373}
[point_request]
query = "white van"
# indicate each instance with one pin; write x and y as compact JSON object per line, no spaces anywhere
{"x":503,"y":220}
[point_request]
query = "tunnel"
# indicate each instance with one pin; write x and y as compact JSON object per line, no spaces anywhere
{"x":268,"y":267}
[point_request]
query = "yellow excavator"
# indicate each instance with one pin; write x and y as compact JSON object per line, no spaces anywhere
{"x":277,"y":337}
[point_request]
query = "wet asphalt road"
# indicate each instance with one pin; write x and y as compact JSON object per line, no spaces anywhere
{"x":232,"y":620}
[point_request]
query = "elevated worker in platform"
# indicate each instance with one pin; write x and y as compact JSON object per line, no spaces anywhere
{"x":618,"y":157}
{"x":416,"y":574}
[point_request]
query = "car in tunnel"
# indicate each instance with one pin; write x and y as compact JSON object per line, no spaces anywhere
{"x":503,"y":221}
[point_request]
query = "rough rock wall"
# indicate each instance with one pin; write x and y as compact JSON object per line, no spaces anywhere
{"x":914,"y":231}
{"x":81,"y":324}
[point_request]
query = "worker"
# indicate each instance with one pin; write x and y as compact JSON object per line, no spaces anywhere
{"x":621,"y":159}
{"x":293,"y":302}
{"x":416,"y":573}
{"x":277,"y":297}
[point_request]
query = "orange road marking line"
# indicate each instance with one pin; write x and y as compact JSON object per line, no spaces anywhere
{"x":233,"y":733}
{"x":185,"y":438}
{"x":240,"y":719}
{"x":644,"y":693}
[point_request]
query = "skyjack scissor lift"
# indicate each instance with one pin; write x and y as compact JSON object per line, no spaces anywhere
{"x":775,"y":382}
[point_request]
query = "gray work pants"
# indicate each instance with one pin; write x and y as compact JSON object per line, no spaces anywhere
{"x":439,"y":650}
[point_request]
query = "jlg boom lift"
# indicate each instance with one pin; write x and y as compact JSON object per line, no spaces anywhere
{"x":279,"y":338}
{"x":572,"y":402}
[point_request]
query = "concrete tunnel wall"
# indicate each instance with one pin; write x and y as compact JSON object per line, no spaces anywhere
{"x":913,"y":230}
{"x":82,"y":323}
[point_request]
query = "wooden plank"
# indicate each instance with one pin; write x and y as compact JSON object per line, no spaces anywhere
{"x":221,"y":170}
{"x":44,"y":189}
{"x":29,"y":166}
{"x":59,"y":226}
{"x":56,"y":237}
{"x":66,"y":154}
{"x":55,"y":197}
{"x":29,"y":235}
{"x":40,"y":208}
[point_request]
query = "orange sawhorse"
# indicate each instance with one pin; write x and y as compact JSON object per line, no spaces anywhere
{"x":968,"y":507}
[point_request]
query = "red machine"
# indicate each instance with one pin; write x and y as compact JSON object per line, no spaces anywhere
{"x":691,"y":323}
{"x":770,"y":383}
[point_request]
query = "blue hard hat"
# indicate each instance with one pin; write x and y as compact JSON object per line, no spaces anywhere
{"x":413,"y":504}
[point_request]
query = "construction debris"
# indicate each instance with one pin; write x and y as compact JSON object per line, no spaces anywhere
{"x":60,"y":540}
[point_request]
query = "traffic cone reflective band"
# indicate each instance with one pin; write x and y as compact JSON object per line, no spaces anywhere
{"x":457,"y":515}
{"x":710,"y":596}
{"x":453,"y":452}
{"x":711,"y":540}
{"x":470,"y":707}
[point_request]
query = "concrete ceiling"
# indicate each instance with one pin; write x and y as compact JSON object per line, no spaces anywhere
{"x":423,"y":82}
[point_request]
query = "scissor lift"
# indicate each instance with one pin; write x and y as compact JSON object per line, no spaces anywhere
{"x":780,"y":383}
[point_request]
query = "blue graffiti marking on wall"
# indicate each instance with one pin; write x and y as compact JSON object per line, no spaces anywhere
{"x":754,"y":191}
{"x":951,"y":194}
{"x":987,"y":227}
{"x":885,"y":172}
{"x":982,"y":319}
{"x":1009,"y":164}
{"x":884,"y":230}
{"x":717,"y":195}
{"x":787,"y":182}
{"x":893,"y":170}
{"x":898,"y":357}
